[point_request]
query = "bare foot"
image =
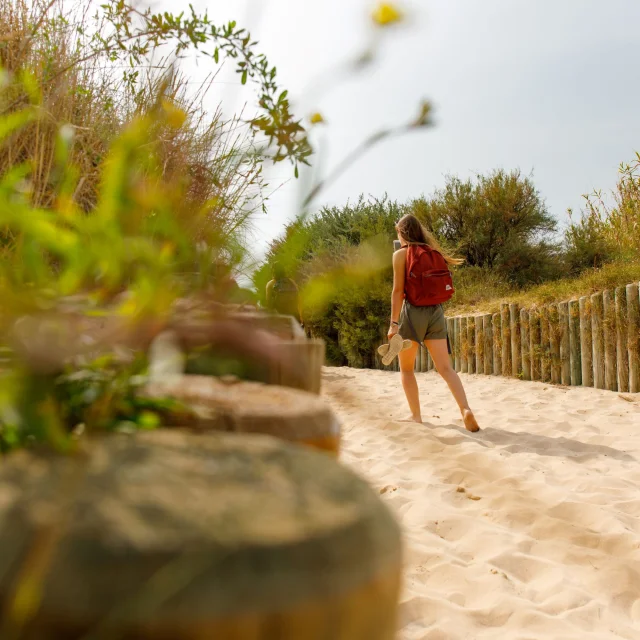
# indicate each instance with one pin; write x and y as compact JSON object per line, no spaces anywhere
{"x":416,"y":419}
{"x":470,"y":421}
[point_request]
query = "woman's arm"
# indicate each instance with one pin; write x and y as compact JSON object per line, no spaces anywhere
{"x":397,"y":295}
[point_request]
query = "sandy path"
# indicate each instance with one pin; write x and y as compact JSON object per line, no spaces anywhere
{"x":529,"y":529}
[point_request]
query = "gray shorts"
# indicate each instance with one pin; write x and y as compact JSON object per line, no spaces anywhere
{"x":428,"y":322}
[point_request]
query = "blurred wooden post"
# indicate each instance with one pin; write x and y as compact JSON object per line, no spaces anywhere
{"x":416,"y":362}
{"x":622,"y":342}
{"x":497,"y":344}
{"x":610,"y":366}
{"x":308,"y":356}
{"x":456,"y":346}
{"x":430,"y":365}
{"x":554,"y":343}
{"x":633,"y":325}
{"x":506,"y":339}
{"x":565,"y":342}
{"x":487,"y":329}
{"x":574,"y":343}
{"x":516,"y":348}
{"x":525,"y":345}
{"x":597,"y":339}
{"x":146,"y":561}
{"x":534,"y":343}
{"x":545,"y":347}
{"x":464,"y":341}
{"x":586,"y":342}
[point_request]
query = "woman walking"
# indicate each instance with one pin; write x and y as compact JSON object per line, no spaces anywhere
{"x":421,"y":282}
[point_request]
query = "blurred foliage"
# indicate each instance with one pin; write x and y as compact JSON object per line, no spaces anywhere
{"x":86,"y":272}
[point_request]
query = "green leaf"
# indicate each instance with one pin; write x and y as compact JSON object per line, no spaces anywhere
{"x":244,"y":77}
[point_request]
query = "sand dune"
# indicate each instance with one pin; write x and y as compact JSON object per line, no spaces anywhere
{"x":528,"y":529}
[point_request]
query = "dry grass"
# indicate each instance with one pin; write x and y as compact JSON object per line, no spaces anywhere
{"x":93,"y":95}
{"x":478,"y":296}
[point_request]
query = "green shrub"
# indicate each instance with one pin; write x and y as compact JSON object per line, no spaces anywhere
{"x":498,"y":222}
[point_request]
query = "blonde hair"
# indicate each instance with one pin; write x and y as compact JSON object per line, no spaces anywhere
{"x":410,"y":228}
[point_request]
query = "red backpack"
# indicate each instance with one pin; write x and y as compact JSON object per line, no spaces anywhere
{"x":428,"y":280}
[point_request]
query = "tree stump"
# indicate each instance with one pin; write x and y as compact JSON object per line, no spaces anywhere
{"x":249,"y":407}
{"x":167,"y":536}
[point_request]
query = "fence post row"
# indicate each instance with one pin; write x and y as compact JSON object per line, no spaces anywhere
{"x":593,"y":341}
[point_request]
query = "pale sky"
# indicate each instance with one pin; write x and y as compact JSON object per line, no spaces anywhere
{"x":549,"y":86}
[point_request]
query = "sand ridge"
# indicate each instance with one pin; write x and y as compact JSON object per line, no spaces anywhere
{"x":528,"y":529}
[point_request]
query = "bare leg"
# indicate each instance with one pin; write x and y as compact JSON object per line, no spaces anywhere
{"x":442,"y":361}
{"x":407,"y":360}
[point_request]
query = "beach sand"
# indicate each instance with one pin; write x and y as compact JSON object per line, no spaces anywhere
{"x":528,"y":529}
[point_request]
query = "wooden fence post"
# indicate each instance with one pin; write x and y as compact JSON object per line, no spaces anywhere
{"x":610,"y":366}
{"x":622,"y":341}
{"x":497,"y":344}
{"x":534,"y":343}
{"x":545,"y":349}
{"x":525,"y":345}
{"x":479,"y":345}
{"x":487,"y":328}
{"x":586,"y":342}
{"x":471,"y":344}
{"x":516,"y":348}
{"x":565,"y":343}
{"x":597,"y":339}
{"x":430,"y":365}
{"x":633,"y":315}
{"x":575,"y":363}
{"x":506,"y":339}
{"x":554,"y":343}
{"x":458,"y":338}
{"x":464,"y":341}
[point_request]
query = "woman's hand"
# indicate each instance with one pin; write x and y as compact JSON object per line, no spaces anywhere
{"x":393,"y":329}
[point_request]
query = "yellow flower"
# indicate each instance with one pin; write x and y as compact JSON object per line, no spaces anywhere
{"x":175,"y":116}
{"x":316,"y":118}
{"x":386,"y":13}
